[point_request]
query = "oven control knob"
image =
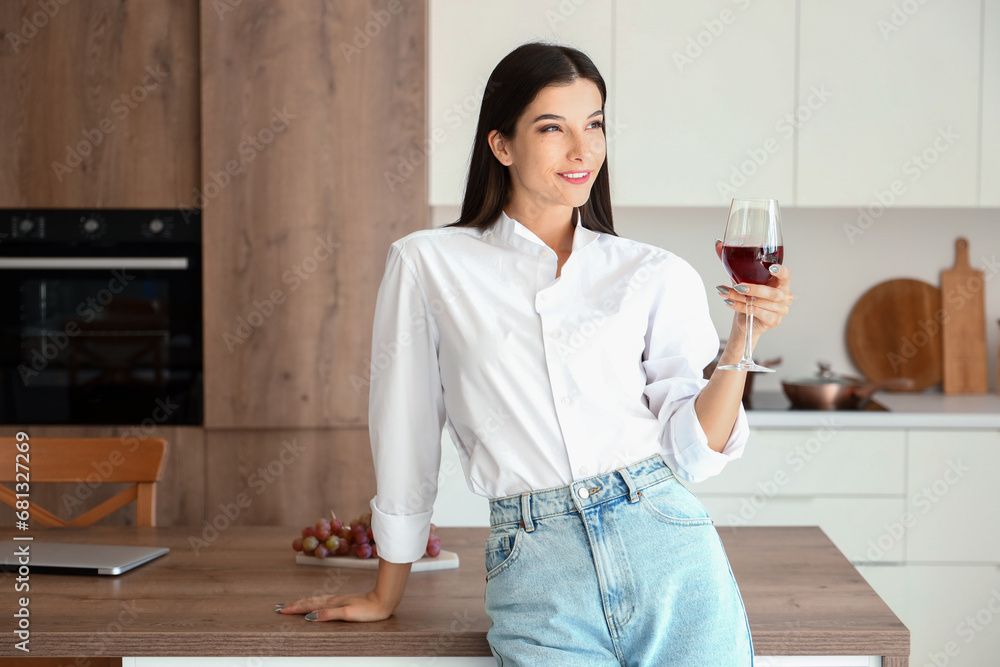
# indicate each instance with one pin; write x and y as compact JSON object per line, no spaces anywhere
{"x":156,"y":225}
{"x":91,"y":225}
{"x":26,"y":225}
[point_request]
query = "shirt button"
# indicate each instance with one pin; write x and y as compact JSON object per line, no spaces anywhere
{"x":541,"y":297}
{"x":556,"y":334}
{"x":583,"y":493}
{"x":566,"y":400}
{"x":582,"y":470}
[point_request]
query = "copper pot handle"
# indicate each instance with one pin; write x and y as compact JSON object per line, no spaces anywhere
{"x":865,"y":392}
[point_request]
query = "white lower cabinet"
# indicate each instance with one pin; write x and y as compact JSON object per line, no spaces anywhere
{"x":758,"y":661}
{"x":862,"y":528}
{"x":952,"y":611}
{"x":916,"y":512}
{"x":825,"y":460}
{"x":954,"y":497}
{"x":416,"y":661}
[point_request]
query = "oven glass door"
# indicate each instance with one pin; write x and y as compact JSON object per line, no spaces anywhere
{"x":92,"y":344}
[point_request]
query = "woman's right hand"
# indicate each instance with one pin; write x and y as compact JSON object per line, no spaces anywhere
{"x":349,"y":607}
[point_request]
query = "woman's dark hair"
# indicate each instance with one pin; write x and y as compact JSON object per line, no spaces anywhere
{"x":512,"y":86}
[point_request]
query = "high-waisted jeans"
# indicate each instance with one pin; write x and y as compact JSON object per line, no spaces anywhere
{"x":623,"y":568}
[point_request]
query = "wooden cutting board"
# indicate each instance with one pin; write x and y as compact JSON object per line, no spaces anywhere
{"x":445,"y":560}
{"x":964,"y":326}
{"x":894,"y":330}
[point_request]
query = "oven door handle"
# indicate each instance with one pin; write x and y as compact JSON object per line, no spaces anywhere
{"x":138,"y":263}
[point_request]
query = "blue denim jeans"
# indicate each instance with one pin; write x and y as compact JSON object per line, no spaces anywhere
{"x":623,"y":568}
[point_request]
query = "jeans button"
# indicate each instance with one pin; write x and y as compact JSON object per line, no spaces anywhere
{"x":583,"y":493}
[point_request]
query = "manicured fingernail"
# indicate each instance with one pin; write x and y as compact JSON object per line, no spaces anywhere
{"x":729,"y":302}
{"x":312,"y":616}
{"x":722,"y":289}
{"x":718,"y":241}
{"x":742,"y":289}
{"x":281,"y":605}
{"x":774,"y":268}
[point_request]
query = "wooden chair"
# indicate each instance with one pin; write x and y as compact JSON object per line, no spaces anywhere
{"x":93,"y":459}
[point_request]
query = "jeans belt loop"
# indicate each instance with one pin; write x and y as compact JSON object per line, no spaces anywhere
{"x":633,"y":495}
{"x":526,"y":521}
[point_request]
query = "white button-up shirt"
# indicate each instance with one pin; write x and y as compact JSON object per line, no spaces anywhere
{"x":542,"y":381}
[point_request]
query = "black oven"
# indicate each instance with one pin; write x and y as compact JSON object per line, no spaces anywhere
{"x":101,"y":316}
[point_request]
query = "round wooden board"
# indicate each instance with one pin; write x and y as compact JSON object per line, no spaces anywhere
{"x":894,"y":330}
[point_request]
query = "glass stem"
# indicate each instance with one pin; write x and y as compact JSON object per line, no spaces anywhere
{"x":748,"y":335}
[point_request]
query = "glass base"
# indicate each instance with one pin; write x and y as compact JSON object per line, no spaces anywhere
{"x":743,"y":366}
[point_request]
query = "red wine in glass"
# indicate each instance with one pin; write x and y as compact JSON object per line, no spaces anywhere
{"x":749,"y":264}
{"x":752,"y":243}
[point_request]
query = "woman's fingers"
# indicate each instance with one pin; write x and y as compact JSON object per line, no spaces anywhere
{"x":767,"y":316}
{"x":781,"y":274}
{"x":347,"y":607}
{"x":776,"y":291}
{"x":306,"y":605}
{"x":330,"y":614}
{"x":771,"y":301}
{"x":763,"y":319}
{"x":778,"y":306}
{"x":762,"y":292}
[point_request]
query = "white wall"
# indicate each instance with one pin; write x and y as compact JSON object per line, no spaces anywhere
{"x":830,"y":272}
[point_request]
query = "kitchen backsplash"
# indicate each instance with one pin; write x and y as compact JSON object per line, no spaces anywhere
{"x":836,"y":255}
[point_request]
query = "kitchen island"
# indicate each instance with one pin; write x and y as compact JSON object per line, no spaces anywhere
{"x":214,"y":595}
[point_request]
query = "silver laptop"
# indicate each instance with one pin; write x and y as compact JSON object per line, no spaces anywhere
{"x":64,"y":558}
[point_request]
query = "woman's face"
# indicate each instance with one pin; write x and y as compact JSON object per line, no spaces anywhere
{"x":559,"y":134}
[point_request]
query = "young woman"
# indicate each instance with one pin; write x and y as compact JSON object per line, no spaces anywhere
{"x":567,"y":364}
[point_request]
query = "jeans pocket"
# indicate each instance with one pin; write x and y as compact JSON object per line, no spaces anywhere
{"x":671,"y":502}
{"x":502,"y":548}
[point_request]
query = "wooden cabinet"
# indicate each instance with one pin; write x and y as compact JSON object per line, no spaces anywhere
{"x":467,"y":40}
{"x":705,"y":95}
{"x":312,"y":156}
{"x":285,"y":477}
{"x":989,"y":184}
{"x":100,"y":103}
{"x":901,"y":125}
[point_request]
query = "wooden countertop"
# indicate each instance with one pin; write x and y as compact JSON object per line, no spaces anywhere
{"x":801,"y":594}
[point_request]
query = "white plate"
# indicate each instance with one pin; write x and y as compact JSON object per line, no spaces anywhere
{"x":445,"y":560}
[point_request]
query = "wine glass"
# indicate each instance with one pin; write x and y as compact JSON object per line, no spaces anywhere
{"x":752,"y":244}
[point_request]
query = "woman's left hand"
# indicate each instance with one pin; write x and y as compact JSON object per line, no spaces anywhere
{"x":771,"y":301}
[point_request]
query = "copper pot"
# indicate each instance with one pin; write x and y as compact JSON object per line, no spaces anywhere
{"x":829,"y":391}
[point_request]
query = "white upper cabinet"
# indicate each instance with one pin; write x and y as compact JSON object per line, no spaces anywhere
{"x":467,"y":40}
{"x":990,"y":180}
{"x":705,"y":94}
{"x":901,"y":125}
{"x":858,"y":103}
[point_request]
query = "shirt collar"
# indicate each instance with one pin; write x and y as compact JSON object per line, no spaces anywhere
{"x":522,"y":238}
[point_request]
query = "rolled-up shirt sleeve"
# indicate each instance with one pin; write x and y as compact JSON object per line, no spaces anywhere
{"x":406,"y":413}
{"x":680,"y":341}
